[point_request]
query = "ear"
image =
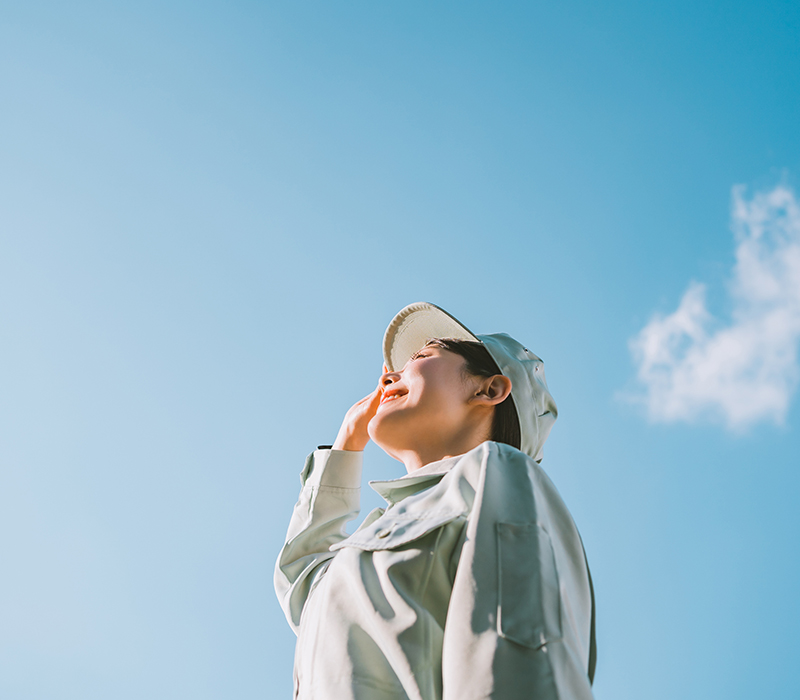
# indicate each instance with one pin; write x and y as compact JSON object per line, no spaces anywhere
{"x":492,"y":390}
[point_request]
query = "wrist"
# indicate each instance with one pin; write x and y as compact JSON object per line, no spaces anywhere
{"x":348,"y":446}
{"x":349,"y":443}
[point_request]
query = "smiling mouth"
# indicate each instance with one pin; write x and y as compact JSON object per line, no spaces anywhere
{"x":387,"y":398}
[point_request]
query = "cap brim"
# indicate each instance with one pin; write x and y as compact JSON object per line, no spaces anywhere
{"x":413,"y":327}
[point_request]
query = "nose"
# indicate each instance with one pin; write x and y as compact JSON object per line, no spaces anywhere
{"x":388,"y":378}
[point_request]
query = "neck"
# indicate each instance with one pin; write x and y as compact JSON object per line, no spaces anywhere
{"x":422,"y":454}
{"x":419,"y":447}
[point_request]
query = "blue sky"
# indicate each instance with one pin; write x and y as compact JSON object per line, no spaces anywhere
{"x":209,"y":212}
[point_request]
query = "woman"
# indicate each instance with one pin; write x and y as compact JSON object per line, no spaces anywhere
{"x":472,"y":582}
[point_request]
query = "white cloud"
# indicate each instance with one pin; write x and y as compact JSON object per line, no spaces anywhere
{"x":694,"y":366}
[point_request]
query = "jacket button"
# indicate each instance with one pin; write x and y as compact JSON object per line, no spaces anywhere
{"x":383,"y":533}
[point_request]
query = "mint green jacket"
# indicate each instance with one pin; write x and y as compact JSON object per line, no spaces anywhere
{"x":472,"y":583}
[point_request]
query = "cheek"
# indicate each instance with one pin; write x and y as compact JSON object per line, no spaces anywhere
{"x":445,"y":397}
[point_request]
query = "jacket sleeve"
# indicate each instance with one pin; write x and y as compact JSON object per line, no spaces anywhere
{"x":328,"y":500}
{"x":519,"y":615}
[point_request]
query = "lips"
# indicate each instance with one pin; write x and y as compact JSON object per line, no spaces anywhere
{"x":392,"y":395}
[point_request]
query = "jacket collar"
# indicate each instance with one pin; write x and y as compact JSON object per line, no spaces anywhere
{"x":395,"y":490}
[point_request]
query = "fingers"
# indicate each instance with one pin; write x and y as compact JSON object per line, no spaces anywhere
{"x":373,"y":395}
{"x":374,"y":399}
{"x":381,"y":386}
{"x":369,"y":404}
{"x":353,"y":434}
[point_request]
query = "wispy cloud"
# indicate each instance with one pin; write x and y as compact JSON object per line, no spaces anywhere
{"x":744,"y":370}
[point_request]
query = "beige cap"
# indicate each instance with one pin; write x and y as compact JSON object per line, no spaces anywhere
{"x":418,"y":323}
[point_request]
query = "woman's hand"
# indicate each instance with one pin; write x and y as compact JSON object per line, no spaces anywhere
{"x":353,"y":434}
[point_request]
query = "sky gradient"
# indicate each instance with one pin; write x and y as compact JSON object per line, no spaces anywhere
{"x":209,"y":212}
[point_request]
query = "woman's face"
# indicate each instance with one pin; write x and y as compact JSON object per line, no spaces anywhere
{"x":429,"y":399}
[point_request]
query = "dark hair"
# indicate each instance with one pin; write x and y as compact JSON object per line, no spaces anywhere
{"x":505,"y":422}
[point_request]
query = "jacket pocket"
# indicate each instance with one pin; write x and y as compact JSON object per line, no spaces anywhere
{"x":529,"y":603}
{"x":392,"y":531}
